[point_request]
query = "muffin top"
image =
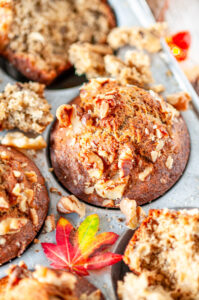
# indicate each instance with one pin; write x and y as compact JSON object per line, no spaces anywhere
{"x":45,"y":284}
{"x":121,"y":133}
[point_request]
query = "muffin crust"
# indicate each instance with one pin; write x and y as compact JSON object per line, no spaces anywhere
{"x":121,"y":141}
{"x":23,"y":202}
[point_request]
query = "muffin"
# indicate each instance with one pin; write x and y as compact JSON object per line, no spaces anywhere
{"x":23,"y":202}
{"x":119,"y":141}
{"x":45,"y":284}
{"x":35,"y":35}
{"x":164,"y":254}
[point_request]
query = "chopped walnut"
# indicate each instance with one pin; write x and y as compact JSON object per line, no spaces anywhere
{"x":169,"y":162}
{"x":179,"y":100}
{"x":32,"y":176}
{"x":2,"y":241}
{"x":134,"y":214}
{"x":89,"y":59}
{"x":67,"y":115}
{"x":157,"y":88}
{"x":112,"y":188}
{"x":19,"y":140}
{"x":142,"y":38}
{"x":49,"y":225}
{"x":34,"y":216}
{"x":93,"y":163}
{"x":125,"y":162}
{"x":12,"y":225}
{"x":142,"y":176}
{"x":71,"y":204}
{"x":17,"y":174}
{"x":23,"y":106}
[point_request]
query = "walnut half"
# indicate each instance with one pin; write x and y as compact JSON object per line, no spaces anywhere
{"x":134,"y":214}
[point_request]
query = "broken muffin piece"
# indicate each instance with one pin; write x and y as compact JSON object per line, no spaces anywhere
{"x":179,"y":100}
{"x":24,"y":106}
{"x":89,"y":59}
{"x":139,"y":37}
{"x":35,"y":35}
{"x":99,"y":61}
{"x":166,"y":246}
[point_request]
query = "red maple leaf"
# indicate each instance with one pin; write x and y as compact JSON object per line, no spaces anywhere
{"x":81,"y":250}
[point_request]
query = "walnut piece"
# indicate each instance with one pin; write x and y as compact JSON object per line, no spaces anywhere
{"x":34,"y":216}
{"x":49,"y":225}
{"x":71,"y":204}
{"x":134,"y":214}
{"x":179,"y":100}
{"x":23,"y":106}
{"x":19,"y":140}
{"x":12,"y":225}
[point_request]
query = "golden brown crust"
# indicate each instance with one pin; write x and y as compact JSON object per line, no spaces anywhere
{"x":42,"y":55}
{"x":24,"y":198}
{"x":121,"y":142}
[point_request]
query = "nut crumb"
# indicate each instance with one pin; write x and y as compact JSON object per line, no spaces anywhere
{"x":71,"y":204}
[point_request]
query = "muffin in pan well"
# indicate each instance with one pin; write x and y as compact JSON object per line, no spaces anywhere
{"x":35,"y":35}
{"x":45,"y":284}
{"x":119,"y":141}
{"x":23,"y":202}
{"x":164,"y":258}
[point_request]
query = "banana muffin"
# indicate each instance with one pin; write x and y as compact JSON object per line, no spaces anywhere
{"x":35,"y":35}
{"x":45,"y":284}
{"x":23,"y":202}
{"x":119,"y":141}
{"x":164,"y":254}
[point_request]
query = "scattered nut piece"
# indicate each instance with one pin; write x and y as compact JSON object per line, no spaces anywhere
{"x":179,"y":100}
{"x":55,"y":191}
{"x":134,"y":214}
{"x":19,"y":140}
{"x":71,"y":204}
{"x":158,"y":88}
{"x":49,"y":224}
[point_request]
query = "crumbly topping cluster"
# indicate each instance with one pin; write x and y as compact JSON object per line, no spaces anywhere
{"x":165,"y":249}
{"x":34,"y":32}
{"x":118,"y":128}
{"x":18,"y":185}
{"x":23,"y":106}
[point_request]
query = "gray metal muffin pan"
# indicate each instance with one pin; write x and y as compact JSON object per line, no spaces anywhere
{"x":185,"y":193}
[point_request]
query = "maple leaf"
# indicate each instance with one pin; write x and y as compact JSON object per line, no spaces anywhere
{"x":81,"y":250}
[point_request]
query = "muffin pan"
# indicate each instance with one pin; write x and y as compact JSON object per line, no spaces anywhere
{"x":184,"y":193}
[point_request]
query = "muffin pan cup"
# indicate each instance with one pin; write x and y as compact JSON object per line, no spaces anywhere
{"x":185,"y":193}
